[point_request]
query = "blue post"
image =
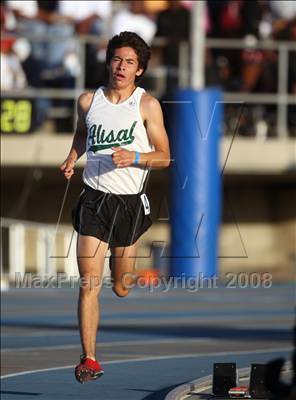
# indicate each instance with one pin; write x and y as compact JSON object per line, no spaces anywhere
{"x":195,"y":201}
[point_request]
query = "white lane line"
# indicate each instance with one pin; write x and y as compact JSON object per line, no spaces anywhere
{"x":108,"y":344}
{"x":168,"y":357}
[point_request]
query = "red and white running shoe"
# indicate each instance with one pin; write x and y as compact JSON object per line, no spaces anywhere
{"x":88,"y":370}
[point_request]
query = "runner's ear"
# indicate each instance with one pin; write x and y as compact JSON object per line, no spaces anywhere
{"x":139,"y":72}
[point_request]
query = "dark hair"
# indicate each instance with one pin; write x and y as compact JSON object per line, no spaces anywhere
{"x":130,"y":39}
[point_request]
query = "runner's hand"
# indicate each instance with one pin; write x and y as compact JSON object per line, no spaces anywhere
{"x":123,"y":158}
{"x":68,"y":167}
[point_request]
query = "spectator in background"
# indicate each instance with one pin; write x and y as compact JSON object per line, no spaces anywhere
{"x":248,"y":70}
{"x":251,"y":70}
{"x":12,"y":74}
{"x":47,"y":57}
{"x":292,"y":59}
{"x":47,"y":65}
{"x":288,"y":33}
{"x":282,"y":15}
{"x":153,"y":7}
{"x":237,"y":19}
{"x":22,"y":10}
{"x":284,"y":10}
{"x":90,"y":17}
{"x":42,"y":19}
{"x":174,"y":25}
{"x":134,"y":18}
{"x":252,"y":61}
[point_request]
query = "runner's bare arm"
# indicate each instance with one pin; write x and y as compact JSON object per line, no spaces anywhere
{"x":79,"y":141}
{"x":153,"y":118}
{"x":159,"y":158}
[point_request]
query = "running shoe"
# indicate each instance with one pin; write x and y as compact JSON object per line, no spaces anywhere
{"x":88,"y":370}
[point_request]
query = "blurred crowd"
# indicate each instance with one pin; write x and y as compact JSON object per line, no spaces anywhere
{"x":39,"y":47}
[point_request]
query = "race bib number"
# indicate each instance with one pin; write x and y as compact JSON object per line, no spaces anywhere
{"x":146,"y":204}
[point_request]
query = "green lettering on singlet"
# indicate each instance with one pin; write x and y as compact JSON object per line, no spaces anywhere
{"x":121,"y":134}
{"x":101,"y":139}
{"x":122,"y":137}
{"x":98,"y":134}
{"x":110,"y":137}
{"x":129,"y":135}
{"x":92,"y":135}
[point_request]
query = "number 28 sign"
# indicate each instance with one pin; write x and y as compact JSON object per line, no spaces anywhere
{"x":16,"y":116}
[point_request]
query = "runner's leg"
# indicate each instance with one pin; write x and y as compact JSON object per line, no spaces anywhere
{"x":90,"y":257}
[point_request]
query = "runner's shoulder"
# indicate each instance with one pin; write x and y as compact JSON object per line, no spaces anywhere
{"x":149,"y":103}
{"x":84,"y":101}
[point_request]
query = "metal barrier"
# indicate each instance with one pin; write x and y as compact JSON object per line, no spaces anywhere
{"x":37,"y":248}
{"x":281,"y":99}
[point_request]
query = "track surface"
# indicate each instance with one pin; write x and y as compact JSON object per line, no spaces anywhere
{"x":148,"y":343}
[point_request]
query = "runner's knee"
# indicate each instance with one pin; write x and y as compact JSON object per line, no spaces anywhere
{"x":90,"y":284}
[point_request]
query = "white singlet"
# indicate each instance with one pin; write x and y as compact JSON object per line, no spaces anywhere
{"x":111,"y":125}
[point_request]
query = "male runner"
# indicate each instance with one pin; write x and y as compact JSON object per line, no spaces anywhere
{"x":121,"y":129}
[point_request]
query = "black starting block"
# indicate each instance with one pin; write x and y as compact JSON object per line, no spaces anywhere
{"x":224,"y":378}
{"x":257,"y":382}
{"x":225,"y":382}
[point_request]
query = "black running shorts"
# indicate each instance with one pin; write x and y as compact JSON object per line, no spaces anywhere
{"x":116,"y":219}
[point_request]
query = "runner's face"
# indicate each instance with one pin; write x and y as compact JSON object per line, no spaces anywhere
{"x":124,"y":67}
